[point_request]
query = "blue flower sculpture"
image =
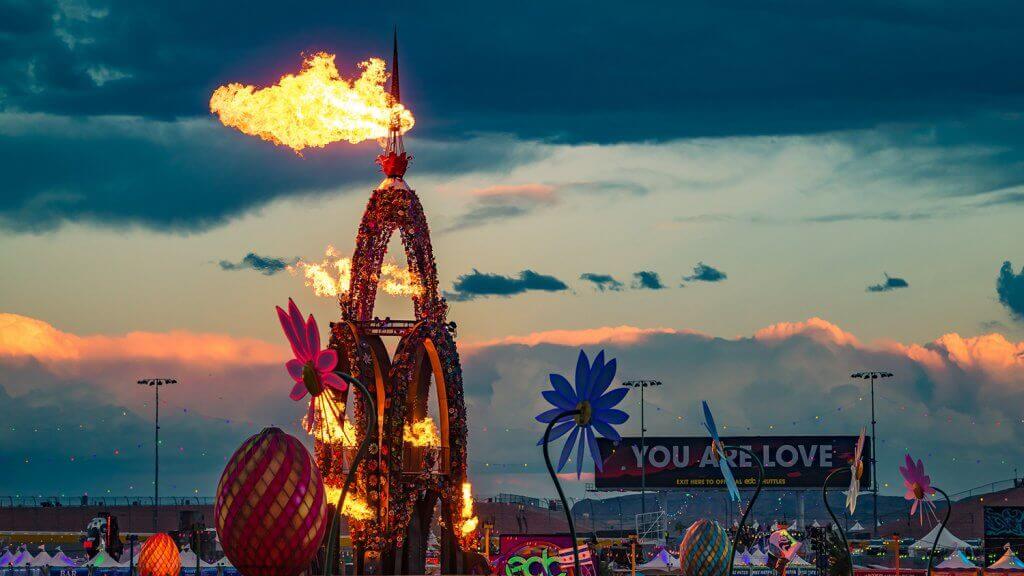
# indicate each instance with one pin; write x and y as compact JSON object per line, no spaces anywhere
{"x":596,"y":406}
{"x":718,"y":452}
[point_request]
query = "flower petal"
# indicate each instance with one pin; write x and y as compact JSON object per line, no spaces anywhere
{"x":611,"y":416}
{"x":606,"y":430}
{"x":289,"y":333}
{"x":332,"y":380}
{"x":298,"y":392}
{"x":558,"y":431}
{"x":709,"y":421}
{"x":299,"y":327}
{"x":567,"y":449}
{"x":582,"y":375}
{"x":595,"y":371}
{"x":603,"y":379}
{"x":312,"y":335}
{"x":595,"y":452}
{"x":294,"y":368}
{"x":549,"y":415}
{"x":562,"y":386}
{"x":610,"y":399}
{"x":326,"y":360}
{"x":556,"y":399}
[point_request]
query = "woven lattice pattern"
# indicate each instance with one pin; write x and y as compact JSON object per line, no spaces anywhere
{"x":704,"y":550}
{"x":271,"y":511}
{"x":159,"y":557}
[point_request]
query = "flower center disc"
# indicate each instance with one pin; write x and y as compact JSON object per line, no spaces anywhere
{"x":583,"y":418}
{"x":311,"y":380}
{"x":918,"y":491}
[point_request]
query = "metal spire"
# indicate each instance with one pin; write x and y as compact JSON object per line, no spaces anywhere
{"x":395,"y":89}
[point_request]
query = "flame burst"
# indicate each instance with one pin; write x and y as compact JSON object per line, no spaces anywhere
{"x":314,"y":107}
{"x":329,"y":424}
{"x":332,"y":276}
{"x":353,"y":508}
{"x":422,"y":433}
{"x":469,"y":520}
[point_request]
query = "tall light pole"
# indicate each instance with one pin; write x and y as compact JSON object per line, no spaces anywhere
{"x":642,"y":384}
{"x":874,"y":451}
{"x":156,"y":383}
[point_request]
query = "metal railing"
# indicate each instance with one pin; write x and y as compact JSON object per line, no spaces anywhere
{"x":100,"y":501}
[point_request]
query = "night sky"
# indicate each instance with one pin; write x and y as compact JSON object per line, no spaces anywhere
{"x":747,"y":202}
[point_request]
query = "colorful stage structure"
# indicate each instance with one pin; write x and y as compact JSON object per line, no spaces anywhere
{"x":398,"y":486}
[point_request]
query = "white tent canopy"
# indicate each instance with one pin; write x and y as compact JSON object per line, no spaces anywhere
{"x":188,"y":559}
{"x":224,"y":563}
{"x":758,"y":558}
{"x":815,"y":524}
{"x":6,"y":557}
{"x":856,"y":527}
{"x":22,"y":558}
{"x":800,"y":562}
{"x":61,"y":559}
{"x":103,"y":560}
{"x":1008,"y":561}
{"x":947,"y":541}
{"x":662,"y":563}
{"x":43,"y":558}
{"x":957,"y":561}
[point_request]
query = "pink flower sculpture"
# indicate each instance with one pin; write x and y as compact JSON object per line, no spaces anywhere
{"x":919,"y":486}
{"x":312,"y":368}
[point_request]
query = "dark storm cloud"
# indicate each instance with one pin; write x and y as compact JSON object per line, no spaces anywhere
{"x":704,"y":273}
{"x":184,"y":176}
{"x":624,"y":75}
{"x":1010,"y":288}
{"x":602,"y":282}
{"x":891,"y":283}
{"x":480,"y":284}
{"x":647,"y":280}
{"x":266,"y":265}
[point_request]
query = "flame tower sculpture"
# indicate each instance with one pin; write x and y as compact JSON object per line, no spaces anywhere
{"x":401,"y":482}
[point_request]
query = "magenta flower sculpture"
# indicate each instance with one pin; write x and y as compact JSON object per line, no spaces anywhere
{"x":920,"y":490}
{"x":919,"y":487}
{"x":312,"y":369}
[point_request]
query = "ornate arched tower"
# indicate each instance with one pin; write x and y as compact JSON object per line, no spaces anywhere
{"x":402,"y":483}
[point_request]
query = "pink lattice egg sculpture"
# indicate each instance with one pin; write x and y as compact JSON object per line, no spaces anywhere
{"x":271,"y":508}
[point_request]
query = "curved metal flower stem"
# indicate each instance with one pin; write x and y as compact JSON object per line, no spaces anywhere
{"x":750,"y":504}
{"x":935,"y":545}
{"x":835,"y":521}
{"x":368,"y":436}
{"x":558,"y":486}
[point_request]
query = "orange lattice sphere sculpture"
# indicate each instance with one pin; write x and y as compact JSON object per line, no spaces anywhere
{"x":271,"y":508}
{"x":159,"y":557}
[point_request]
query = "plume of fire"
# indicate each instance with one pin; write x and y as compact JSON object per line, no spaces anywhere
{"x":314,"y":107}
{"x":422,"y":433}
{"x":469,"y":519}
{"x":332,"y":276}
{"x":353,"y":507}
{"x":329,"y":424}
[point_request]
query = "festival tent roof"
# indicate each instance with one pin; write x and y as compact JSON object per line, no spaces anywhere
{"x":5,"y":558}
{"x":61,"y":559}
{"x":856,"y":527}
{"x":1008,"y":561}
{"x":188,"y":559}
{"x":798,"y":561}
{"x":23,"y":558}
{"x":224,"y":563}
{"x":758,"y":558}
{"x":815,"y":524}
{"x":743,"y":559}
{"x":957,"y":561}
{"x":947,"y":541}
{"x":662,"y":563}
{"x":43,"y":558}
{"x":102,"y":559}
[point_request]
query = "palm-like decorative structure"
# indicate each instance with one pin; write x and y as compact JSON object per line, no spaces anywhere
{"x":719,"y":453}
{"x":583,"y":412}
